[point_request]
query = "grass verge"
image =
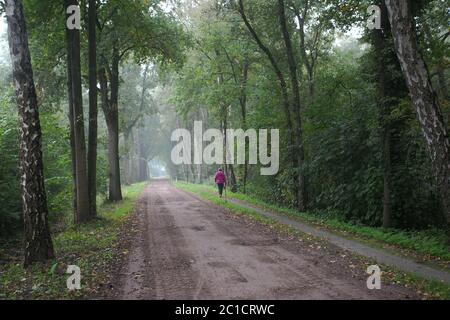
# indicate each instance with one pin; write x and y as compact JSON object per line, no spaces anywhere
{"x":425,"y":288}
{"x":93,"y":247}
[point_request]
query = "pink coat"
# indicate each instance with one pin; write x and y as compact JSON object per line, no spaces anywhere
{"x":220,"y":178}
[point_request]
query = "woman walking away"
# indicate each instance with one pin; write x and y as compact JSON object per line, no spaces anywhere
{"x":221,"y":181}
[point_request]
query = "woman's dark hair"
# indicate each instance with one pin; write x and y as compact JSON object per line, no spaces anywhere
{"x":220,"y":169}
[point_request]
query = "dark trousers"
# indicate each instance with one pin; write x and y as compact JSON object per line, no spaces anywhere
{"x":220,"y":186}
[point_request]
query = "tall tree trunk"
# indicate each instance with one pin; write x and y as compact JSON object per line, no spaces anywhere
{"x":93,"y":109}
{"x":143,"y":164}
{"x":191,"y":172}
{"x":129,"y":143}
{"x":186,"y":174}
{"x":243,"y":102}
{"x":223,"y":129}
{"x":115,"y":187}
{"x":296,"y":103}
{"x":387,"y":178}
{"x":73,"y":43}
{"x":73,"y":160}
{"x":229,"y":170}
{"x":199,"y":177}
{"x":115,"y":192}
{"x":111,"y":112}
{"x":284,"y":92}
{"x":232,"y":178}
{"x":423,"y":96}
{"x":309,"y":65}
{"x":199,"y":174}
{"x":380,"y":38}
{"x":38,"y":242}
{"x":71,"y":123}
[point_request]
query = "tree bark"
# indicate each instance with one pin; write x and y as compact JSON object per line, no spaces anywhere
{"x":78,"y":117}
{"x":110,"y":109}
{"x":232,"y":178}
{"x":93,"y":109}
{"x":380,"y":39}
{"x":71,"y":124}
{"x":38,"y":242}
{"x":115,"y":192}
{"x":387,"y":178}
{"x":223,"y":129}
{"x":423,"y":96}
{"x":199,"y":174}
{"x":73,"y":43}
{"x":115,"y":187}
{"x":229,"y":170}
{"x":296,"y":104}
{"x":243,"y":102}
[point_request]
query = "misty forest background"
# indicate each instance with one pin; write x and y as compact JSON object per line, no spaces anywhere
{"x":352,"y":147}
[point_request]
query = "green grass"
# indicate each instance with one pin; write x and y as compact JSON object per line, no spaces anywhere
{"x":427,"y":288}
{"x":93,"y":247}
{"x":429,"y":245}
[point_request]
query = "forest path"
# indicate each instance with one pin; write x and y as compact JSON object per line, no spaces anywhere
{"x":186,"y":248}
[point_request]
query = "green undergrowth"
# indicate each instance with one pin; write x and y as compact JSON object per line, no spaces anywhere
{"x":92,"y":247}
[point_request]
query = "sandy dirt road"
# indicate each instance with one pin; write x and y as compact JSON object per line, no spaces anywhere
{"x":185,"y":248}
